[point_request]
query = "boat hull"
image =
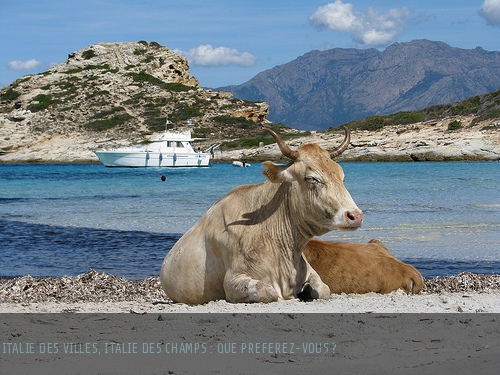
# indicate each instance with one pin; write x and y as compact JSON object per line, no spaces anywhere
{"x":237,"y":163}
{"x":152,"y":159}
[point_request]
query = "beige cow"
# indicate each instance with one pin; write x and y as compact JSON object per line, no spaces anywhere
{"x":248,"y":246}
{"x":348,"y":267}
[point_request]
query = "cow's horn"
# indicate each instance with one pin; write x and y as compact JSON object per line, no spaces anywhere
{"x":345,"y":143}
{"x":285,"y":150}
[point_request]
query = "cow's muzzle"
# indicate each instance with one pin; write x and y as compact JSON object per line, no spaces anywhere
{"x":353,"y":219}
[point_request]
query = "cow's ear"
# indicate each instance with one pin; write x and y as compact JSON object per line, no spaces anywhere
{"x":276,"y":172}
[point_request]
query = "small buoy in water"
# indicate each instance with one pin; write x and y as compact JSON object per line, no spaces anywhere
{"x":163,"y":178}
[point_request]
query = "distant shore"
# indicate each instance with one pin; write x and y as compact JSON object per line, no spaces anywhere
{"x":399,"y":143}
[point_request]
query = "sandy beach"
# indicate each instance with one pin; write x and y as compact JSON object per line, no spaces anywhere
{"x":96,"y":323}
{"x":98,"y":292}
{"x":395,"y":302}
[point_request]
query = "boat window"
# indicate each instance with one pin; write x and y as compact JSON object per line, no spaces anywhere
{"x":175,"y":144}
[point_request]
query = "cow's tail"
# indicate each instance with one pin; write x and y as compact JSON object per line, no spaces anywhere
{"x":417,"y":283}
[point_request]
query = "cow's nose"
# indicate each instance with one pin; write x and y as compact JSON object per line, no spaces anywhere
{"x":354,"y":219}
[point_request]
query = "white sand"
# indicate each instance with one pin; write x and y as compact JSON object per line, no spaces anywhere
{"x":395,"y":302}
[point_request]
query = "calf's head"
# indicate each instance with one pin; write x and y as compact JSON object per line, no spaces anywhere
{"x":318,"y":195}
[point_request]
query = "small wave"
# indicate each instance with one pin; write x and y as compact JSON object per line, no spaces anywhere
{"x":448,"y":267}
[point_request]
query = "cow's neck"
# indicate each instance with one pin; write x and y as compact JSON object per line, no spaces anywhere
{"x":290,"y":233}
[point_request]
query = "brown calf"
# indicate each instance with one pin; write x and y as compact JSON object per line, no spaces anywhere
{"x":361,"y":268}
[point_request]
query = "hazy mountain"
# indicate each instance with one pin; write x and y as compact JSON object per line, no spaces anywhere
{"x":328,"y":88}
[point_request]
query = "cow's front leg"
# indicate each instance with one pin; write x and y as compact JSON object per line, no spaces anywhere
{"x":242,"y":288}
{"x":314,"y":288}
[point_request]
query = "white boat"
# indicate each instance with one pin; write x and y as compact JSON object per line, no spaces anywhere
{"x":238,"y":163}
{"x":169,"y":149}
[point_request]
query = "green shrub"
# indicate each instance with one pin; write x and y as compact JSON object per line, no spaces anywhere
{"x":201,"y":132}
{"x":145,"y":77}
{"x":254,"y":142}
{"x":455,"y":125}
{"x":105,"y":124}
{"x":494,"y":113}
{"x":185,"y":112}
{"x":249,"y":142}
{"x":42,"y":102}
{"x":91,"y":95}
{"x":151,"y":112}
{"x":178,"y":87}
{"x":108,"y":112}
{"x":369,"y":123}
{"x":10,"y":95}
{"x":155,"y":124}
{"x":73,"y":71}
{"x":230,"y":120}
{"x":148,"y":58}
{"x":404,"y":118}
{"x":88,"y":54}
{"x":99,"y":103}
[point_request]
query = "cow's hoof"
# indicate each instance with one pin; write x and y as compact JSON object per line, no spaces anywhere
{"x":306,"y":295}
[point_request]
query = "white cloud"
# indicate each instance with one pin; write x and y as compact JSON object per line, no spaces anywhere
{"x":24,"y":65}
{"x":206,"y":55}
{"x":490,"y":11}
{"x":366,"y":28}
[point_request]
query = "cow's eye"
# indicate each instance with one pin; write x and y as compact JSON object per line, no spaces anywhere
{"x":313,"y":180}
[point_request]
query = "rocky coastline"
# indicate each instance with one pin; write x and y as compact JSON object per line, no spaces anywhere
{"x":425,"y":141}
{"x":401,"y":143}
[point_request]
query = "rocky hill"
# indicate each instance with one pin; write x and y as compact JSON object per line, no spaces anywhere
{"x":328,"y":88}
{"x":113,"y":94}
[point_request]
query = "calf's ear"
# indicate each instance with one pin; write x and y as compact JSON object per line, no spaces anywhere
{"x":276,"y":173}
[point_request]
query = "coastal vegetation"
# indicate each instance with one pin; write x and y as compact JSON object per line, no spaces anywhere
{"x":482,"y":107}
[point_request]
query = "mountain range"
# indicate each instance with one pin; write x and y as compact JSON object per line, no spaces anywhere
{"x":328,"y":88}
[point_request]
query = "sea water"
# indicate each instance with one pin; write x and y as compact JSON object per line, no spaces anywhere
{"x":62,"y":219}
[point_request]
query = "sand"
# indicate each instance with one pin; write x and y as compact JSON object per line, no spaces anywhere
{"x":99,"y":292}
{"x":97,"y":323}
{"x":395,"y":302}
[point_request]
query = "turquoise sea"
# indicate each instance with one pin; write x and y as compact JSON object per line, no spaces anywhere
{"x":61,"y":219}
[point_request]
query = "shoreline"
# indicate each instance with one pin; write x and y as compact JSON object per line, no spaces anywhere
{"x":426,"y":141}
{"x":395,"y":302}
{"x":95,"y":292}
{"x":253,"y":156}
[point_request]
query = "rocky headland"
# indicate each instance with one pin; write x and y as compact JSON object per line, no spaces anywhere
{"x":117,"y":94}
{"x":110,"y":95}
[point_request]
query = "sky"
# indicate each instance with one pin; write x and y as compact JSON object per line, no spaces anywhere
{"x":228,"y":42}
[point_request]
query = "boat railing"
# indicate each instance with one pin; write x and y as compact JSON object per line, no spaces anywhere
{"x":213,"y":147}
